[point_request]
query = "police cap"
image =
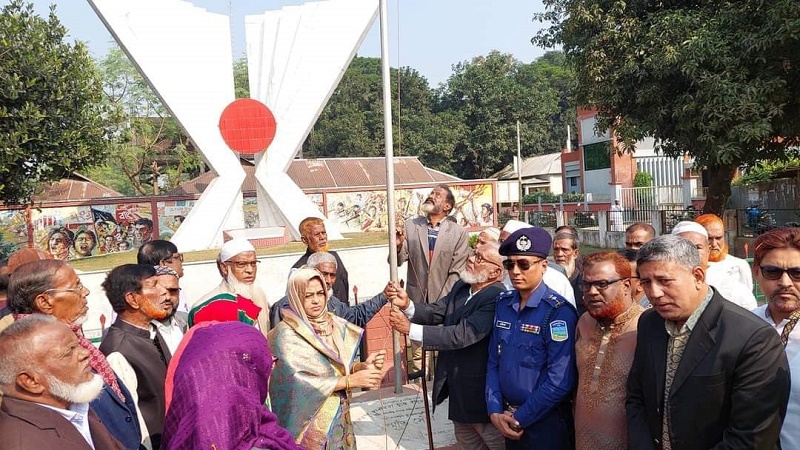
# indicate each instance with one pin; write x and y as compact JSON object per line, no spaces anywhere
{"x":532,"y":241}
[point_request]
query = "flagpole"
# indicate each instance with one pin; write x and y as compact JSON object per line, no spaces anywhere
{"x":390,"y":203}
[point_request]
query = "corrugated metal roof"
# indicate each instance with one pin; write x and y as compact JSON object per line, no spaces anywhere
{"x":77,"y":187}
{"x":334,"y":173}
{"x":535,"y":166}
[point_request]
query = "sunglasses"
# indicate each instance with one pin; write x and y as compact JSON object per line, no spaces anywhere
{"x":601,"y":285}
{"x":171,"y":259}
{"x":775,"y":273}
{"x":523,"y":264}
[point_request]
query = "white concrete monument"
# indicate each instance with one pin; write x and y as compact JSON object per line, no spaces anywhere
{"x":296,"y":57}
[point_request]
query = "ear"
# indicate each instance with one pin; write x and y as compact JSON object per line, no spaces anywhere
{"x":29,"y":382}
{"x":43,"y":304}
{"x":699,"y":275}
{"x":304,"y":240}
{"x":223,"y":269}
{"x":132,"y":299}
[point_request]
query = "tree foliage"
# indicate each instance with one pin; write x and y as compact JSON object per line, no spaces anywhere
{"x":53,"y":119}
{"x":715,"y":79}
{"x":150,"y":149}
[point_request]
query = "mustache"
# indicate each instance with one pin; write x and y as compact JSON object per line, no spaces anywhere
{"x":790,"y":291}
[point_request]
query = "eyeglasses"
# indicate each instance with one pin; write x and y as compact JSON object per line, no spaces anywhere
{"x":479,"y":259}
{"x":601,"y":285}
{"x":523,"y":264}
{"x":178,"y":256}
{"x":241,"y":265}
{"x":79,"y":289}
{"x":776,"y":273}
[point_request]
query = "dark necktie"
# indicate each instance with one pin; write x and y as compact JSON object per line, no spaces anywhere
{"x":160,"y":350}
{"x":787,"y":330}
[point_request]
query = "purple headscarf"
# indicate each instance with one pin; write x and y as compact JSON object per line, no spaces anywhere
{"x":219,"y":387}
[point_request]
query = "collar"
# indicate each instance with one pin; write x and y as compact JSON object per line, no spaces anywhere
{"x":672,"y":328}
{"x":131,"y":328}
{"x":622,"y":319}
{"x":77,"y":412}
{"x":533,"y":300}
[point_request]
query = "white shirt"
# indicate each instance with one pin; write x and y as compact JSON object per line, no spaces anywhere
{"x":555,"y":280}
{"x":78,"y":416}
{"x":415,"y":330}
{"x":171,"y":333}
{"x":127,"y":375}
{"x":790,"y":433}
{"x":732,"y":267}
{"x":732,"y":289}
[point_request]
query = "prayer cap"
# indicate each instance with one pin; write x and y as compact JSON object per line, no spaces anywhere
{"x":233,"y":248}
{"x":687,"y":226}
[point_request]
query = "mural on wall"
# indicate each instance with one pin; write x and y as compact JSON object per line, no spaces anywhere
{"x":75,"y":232}
{"x":355,"y":212}
{"x":171,"y":215}
{"x":13,"y":232}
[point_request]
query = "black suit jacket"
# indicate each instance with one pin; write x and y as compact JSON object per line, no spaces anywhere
{"x":341,"y":288}
{"x":730,"y":389}
{"x":463,"y":343}
{"x":27,"y":426}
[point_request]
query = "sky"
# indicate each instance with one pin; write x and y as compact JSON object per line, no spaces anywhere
{"x":427,"y":35}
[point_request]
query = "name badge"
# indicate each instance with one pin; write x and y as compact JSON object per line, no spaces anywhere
{"x":528,"y":328}
{"x":503,"y":325}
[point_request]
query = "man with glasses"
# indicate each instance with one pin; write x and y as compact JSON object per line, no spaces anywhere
{"x":776,"y":266}
{"x":53,"y":288}
{"x":238,"y":266}
{"x":606,"y":340}
{"x":166,"y":254}
{"x":531,"y":370}
{"x":458,"y":326}
{"x":175,"y":324}
{"x":706,"y":373}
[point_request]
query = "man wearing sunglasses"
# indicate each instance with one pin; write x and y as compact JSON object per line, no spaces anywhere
{"x":172,"y":327}
{"x":706,"y":373}
{"x":531,"y":371}
{"x":776,"y":267}
{"x":164,"y":253}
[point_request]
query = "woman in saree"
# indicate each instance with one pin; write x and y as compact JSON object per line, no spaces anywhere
{"x":315,"y":370}
{"x":216,"y":389}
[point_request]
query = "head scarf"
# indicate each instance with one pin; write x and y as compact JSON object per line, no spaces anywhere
{"x":323,"y":325}
{"x":217,"y":385}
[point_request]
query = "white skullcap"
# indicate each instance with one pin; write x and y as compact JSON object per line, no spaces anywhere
{"x":233,"y":248}
{"x":493,"y":232}
{"x":514,"y":225}
{"x":689,"y":226}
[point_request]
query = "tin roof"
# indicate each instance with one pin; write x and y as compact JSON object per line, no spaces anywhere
{"x":534,"y":167}
{"x":75,"y":187}
{"x":334,"y":173}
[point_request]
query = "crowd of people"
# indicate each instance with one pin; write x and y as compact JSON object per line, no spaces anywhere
{"x":657,"y":345}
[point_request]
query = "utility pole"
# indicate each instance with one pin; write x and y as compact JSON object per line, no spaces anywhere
{"x":521,"y":214}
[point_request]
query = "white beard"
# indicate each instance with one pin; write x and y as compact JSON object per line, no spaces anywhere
{"x":427,"y":208}
{"x":248,"y":291}
{"x":75,"y":393}
{"x":474,"y":278}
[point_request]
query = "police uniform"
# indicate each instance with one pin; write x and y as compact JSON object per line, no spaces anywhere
{"x":531,"y":368}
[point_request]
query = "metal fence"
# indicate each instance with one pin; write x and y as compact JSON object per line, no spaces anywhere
{"x":753,"y":221}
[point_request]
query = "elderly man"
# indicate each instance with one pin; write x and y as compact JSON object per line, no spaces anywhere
{"x":730,"y":288}
{"x":359,"y":314}
{"x":554,"y":277}
{"x":531,"y":369}
{"x":776,"y":266}
{"x":458,"y":325}
{"x":313,"y":234}
{"x":488,"y":235}
{"x":722,"y":265}
{"x":175,"y":324}
{"x":134,"y":347}
{"x":238,"y":266}
{"x":436,"y":250}
{"x":705,"y":373}
{"x":637,"y":234}
{"x":605,"y":343}
{"x":48,"y":385}
{"x":52,"y":287}
{"x":164,"y":253}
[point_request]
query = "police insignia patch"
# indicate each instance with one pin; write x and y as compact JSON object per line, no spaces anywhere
{"x":523,"y":243}
{"x":558,"y":331}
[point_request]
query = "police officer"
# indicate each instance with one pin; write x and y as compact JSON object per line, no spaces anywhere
{"x":531,"y":371}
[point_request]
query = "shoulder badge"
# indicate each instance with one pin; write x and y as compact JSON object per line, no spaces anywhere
{"x":559,"y":331}
{"x":523,"y":243}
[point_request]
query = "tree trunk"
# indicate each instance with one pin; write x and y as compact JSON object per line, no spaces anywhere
{"x":719,"y":189}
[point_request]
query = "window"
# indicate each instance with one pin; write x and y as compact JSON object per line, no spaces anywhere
{"x":597,"y":156}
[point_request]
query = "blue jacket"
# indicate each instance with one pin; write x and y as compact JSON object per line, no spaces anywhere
{"x":531,"y":355}
{"x":119,"y":417}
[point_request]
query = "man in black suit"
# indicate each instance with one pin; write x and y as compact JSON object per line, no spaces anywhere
{"x":459,"y":326}
{"x":706,"y":372}
{"x":313,"y":234}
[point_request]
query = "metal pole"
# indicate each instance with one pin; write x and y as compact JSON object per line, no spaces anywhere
{"x":390,"y":203}
{"x":519,"y":171}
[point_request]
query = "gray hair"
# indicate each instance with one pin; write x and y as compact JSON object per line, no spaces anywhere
{"x":670,"y":248}
{"x":321,"y":258}
{"x":15,"y":346}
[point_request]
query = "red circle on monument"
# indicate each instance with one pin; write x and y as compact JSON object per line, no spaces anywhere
{"x":247,"y":126}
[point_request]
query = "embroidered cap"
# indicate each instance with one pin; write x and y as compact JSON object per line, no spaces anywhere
{"x":533,"y":241}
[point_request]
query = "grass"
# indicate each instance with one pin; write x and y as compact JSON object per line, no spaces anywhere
{"x":108,"y":262}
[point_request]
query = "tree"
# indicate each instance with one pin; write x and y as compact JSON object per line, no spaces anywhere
{"x":150,"y":150}
{"x":717,"y":80}
{"x":53,"y":120}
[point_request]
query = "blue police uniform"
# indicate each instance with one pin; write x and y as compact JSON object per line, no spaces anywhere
{"x":531,"y":368}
